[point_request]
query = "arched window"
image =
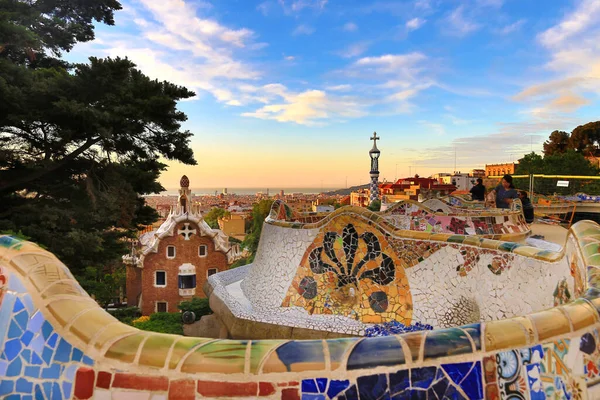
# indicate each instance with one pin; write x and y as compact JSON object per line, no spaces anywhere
{"x":187,"y":280}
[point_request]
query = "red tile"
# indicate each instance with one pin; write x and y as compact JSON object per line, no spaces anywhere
{"x":103,"y":380}
{"x":182,"y":390}
{"x":84,"y":383}
{"x":227,"y":389}
{"x":284,"y":384}
{"x":265,"y":388}
{"x":147,"y":383}
{"x":290,"y":394}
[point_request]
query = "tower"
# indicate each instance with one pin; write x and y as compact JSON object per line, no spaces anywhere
{"x":374,"y":154}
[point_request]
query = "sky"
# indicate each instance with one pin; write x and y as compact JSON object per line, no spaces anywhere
{"x":289,"y":92}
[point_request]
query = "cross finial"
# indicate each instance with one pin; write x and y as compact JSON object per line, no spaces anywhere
{"x":375,"y":138}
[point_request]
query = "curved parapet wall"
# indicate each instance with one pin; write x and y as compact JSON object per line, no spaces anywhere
{"x":57,"y":343}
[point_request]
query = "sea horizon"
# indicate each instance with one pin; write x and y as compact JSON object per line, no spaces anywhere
{"x":249,"y":190}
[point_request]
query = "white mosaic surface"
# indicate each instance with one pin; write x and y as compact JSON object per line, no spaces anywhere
{"x":440,"y":294}
{"x":279,"y":253}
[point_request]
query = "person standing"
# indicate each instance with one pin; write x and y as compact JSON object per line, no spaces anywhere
{"x":527,"y":207}
{"x":478,"y":191}
{"x":505,"y":192}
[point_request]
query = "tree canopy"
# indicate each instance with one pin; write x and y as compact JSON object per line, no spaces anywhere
{"x":79,"y":143}
{"x":212,"y":217}
{"x":583,"y":139}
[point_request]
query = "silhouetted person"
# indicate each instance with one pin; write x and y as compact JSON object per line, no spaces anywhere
{"x":478,"y":191}
{"x":527,"y":207}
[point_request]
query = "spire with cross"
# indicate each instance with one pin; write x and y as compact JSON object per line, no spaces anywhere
{"x":374,"y":154}
{"x":375,"y":138}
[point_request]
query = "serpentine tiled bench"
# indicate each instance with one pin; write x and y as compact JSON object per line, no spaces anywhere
{"x":58,"y":344}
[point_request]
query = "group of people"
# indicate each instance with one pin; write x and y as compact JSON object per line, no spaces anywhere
{"x":504,"y":193}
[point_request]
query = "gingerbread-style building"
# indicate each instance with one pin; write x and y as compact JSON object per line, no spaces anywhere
{"x":171,"y":264}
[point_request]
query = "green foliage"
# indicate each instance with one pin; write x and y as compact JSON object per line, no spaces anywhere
{"x":260,"y":211}
{"x":102,"y":284}
{"x":162,"y":323}
{"x":240,"y":262}
{"x":126,"y":315}
{"x":569,"y":163}
{"x":80,"y":143}
{"x":583,"y":139}
{"x":233,"y":240}
{"x":212,"y":217}
{"x":375,"y":205}
{"x":198,"y":305}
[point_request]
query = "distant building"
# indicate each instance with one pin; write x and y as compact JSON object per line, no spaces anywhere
{"x":478,"y":173}
{"x":172,"y":263}
{"x":500,"y":169}
{"x":462,"y":181}
{"x":322,"y":208}
{"x":360,"y":198}
{"x":234,"y":225}
{"x":411,"y":188}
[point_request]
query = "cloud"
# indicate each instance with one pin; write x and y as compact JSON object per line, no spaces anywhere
{"x":295,"y":6}
{"x":436,"y":128}
{"x":515,"y":26}
{"x":303,"y":30}
{"x":457,"y":24}
{"x":340,"y":88}
{"x":310,"y":107}
{"x":583,"y":17}
{"x":289,"y":58}
{"x":490,"y":3}
{"x":390,"y":63}
{"x":354,"y":50}
{"x":264,"y":7}
{"x":414,"y":24}
{"x":350,"y":27}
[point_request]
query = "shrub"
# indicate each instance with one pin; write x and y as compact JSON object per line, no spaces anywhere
{"x":162,"y":323}
{"x":126,"y":315}
{"x":198,"y":305}
{"x":239,"y":263}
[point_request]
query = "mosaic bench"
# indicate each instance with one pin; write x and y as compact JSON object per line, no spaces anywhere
{"x":57,"y":343}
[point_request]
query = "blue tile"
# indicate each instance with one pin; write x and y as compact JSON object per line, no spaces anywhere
{"x":23,"y":386}
{"x":47,"y":330}
{"x":88,"y":361}
{"x":9,"y":241}
{"x":37,"y":344}
{"x":22,"y":319}
{"x":67,"y":387}
{"x":63,"y":352}
{"x":12,"y":349}
{"x":309,"y":386}
{"x":36,"y":360}
{"x":47,"y":355}
{"x":32,"y":372}
{"x":422,"y":377}
{"x":14,"y":331}
{"x":313,"y":397}
{"x":18,"y":306}
{"x":15,"y":368}
{"x":297,"y":352}
{"x":14,"y":284}
{"x":39,"y":394}
{"x":399,"y":381}
{"x":438,"y":389}
{"x":335,"y":387}
{"x":28,"y":303}
{"x":412,"y":394}
{"x":35,"y":322}
{"x":453,"y":394}
{"x":47,"y":389}
{"x":77,"y":355}
{"x":376,"y":351}
{"x":3,"y":367}
{"x":52,"y":372}
{"x":372,"y":387}
{"x":26,"y":356}
{"x":350,"y":394}
{"x":474,"y":330}
{"x":27,"y":397}
{"x":52,"y":340}
{"x":70,"y":372}
{"x":457,"y":371}
{"x":13,"y":397}
{"x":56,"y":393}
{"x":322,"y":384}
{"x":27,"y":337}
{"x":472,"y":384}
{"x":5,"y":316}
{"x":446,"y":342}
{"x":6,"y":387}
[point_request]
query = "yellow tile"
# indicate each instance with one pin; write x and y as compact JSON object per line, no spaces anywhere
{"x":182,"y":347}
{"x":529,"y":330}
{"x":504,"y":334}
{"x":221,"y":356}
{"x":69,"y":287}
{"x":111,"y":332}
{"x":64,"y":310}
{"x":414,"y":340}
{"x":155,"y":350}
{"x":125,"y":349}
{"x":90,"y":323}
{"x":550,"y":323}
{"x":24,"y":262}
{"x":581,"y":314}
{"x":44,"y":274}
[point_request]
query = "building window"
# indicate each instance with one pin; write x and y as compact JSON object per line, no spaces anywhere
{"x":202,"y":250}
{"x":187,"y":281}
{"x":161,"y":306}
{"x":170,"y":251}
{"x":160,"y":279}
{"x":211,"y":271}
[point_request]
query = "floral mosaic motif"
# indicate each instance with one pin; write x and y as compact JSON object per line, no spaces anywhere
{"x":561,"y":293}
{"x":347,"y":271}
{"x":518,"y":374}
{"x":578,"y":279}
